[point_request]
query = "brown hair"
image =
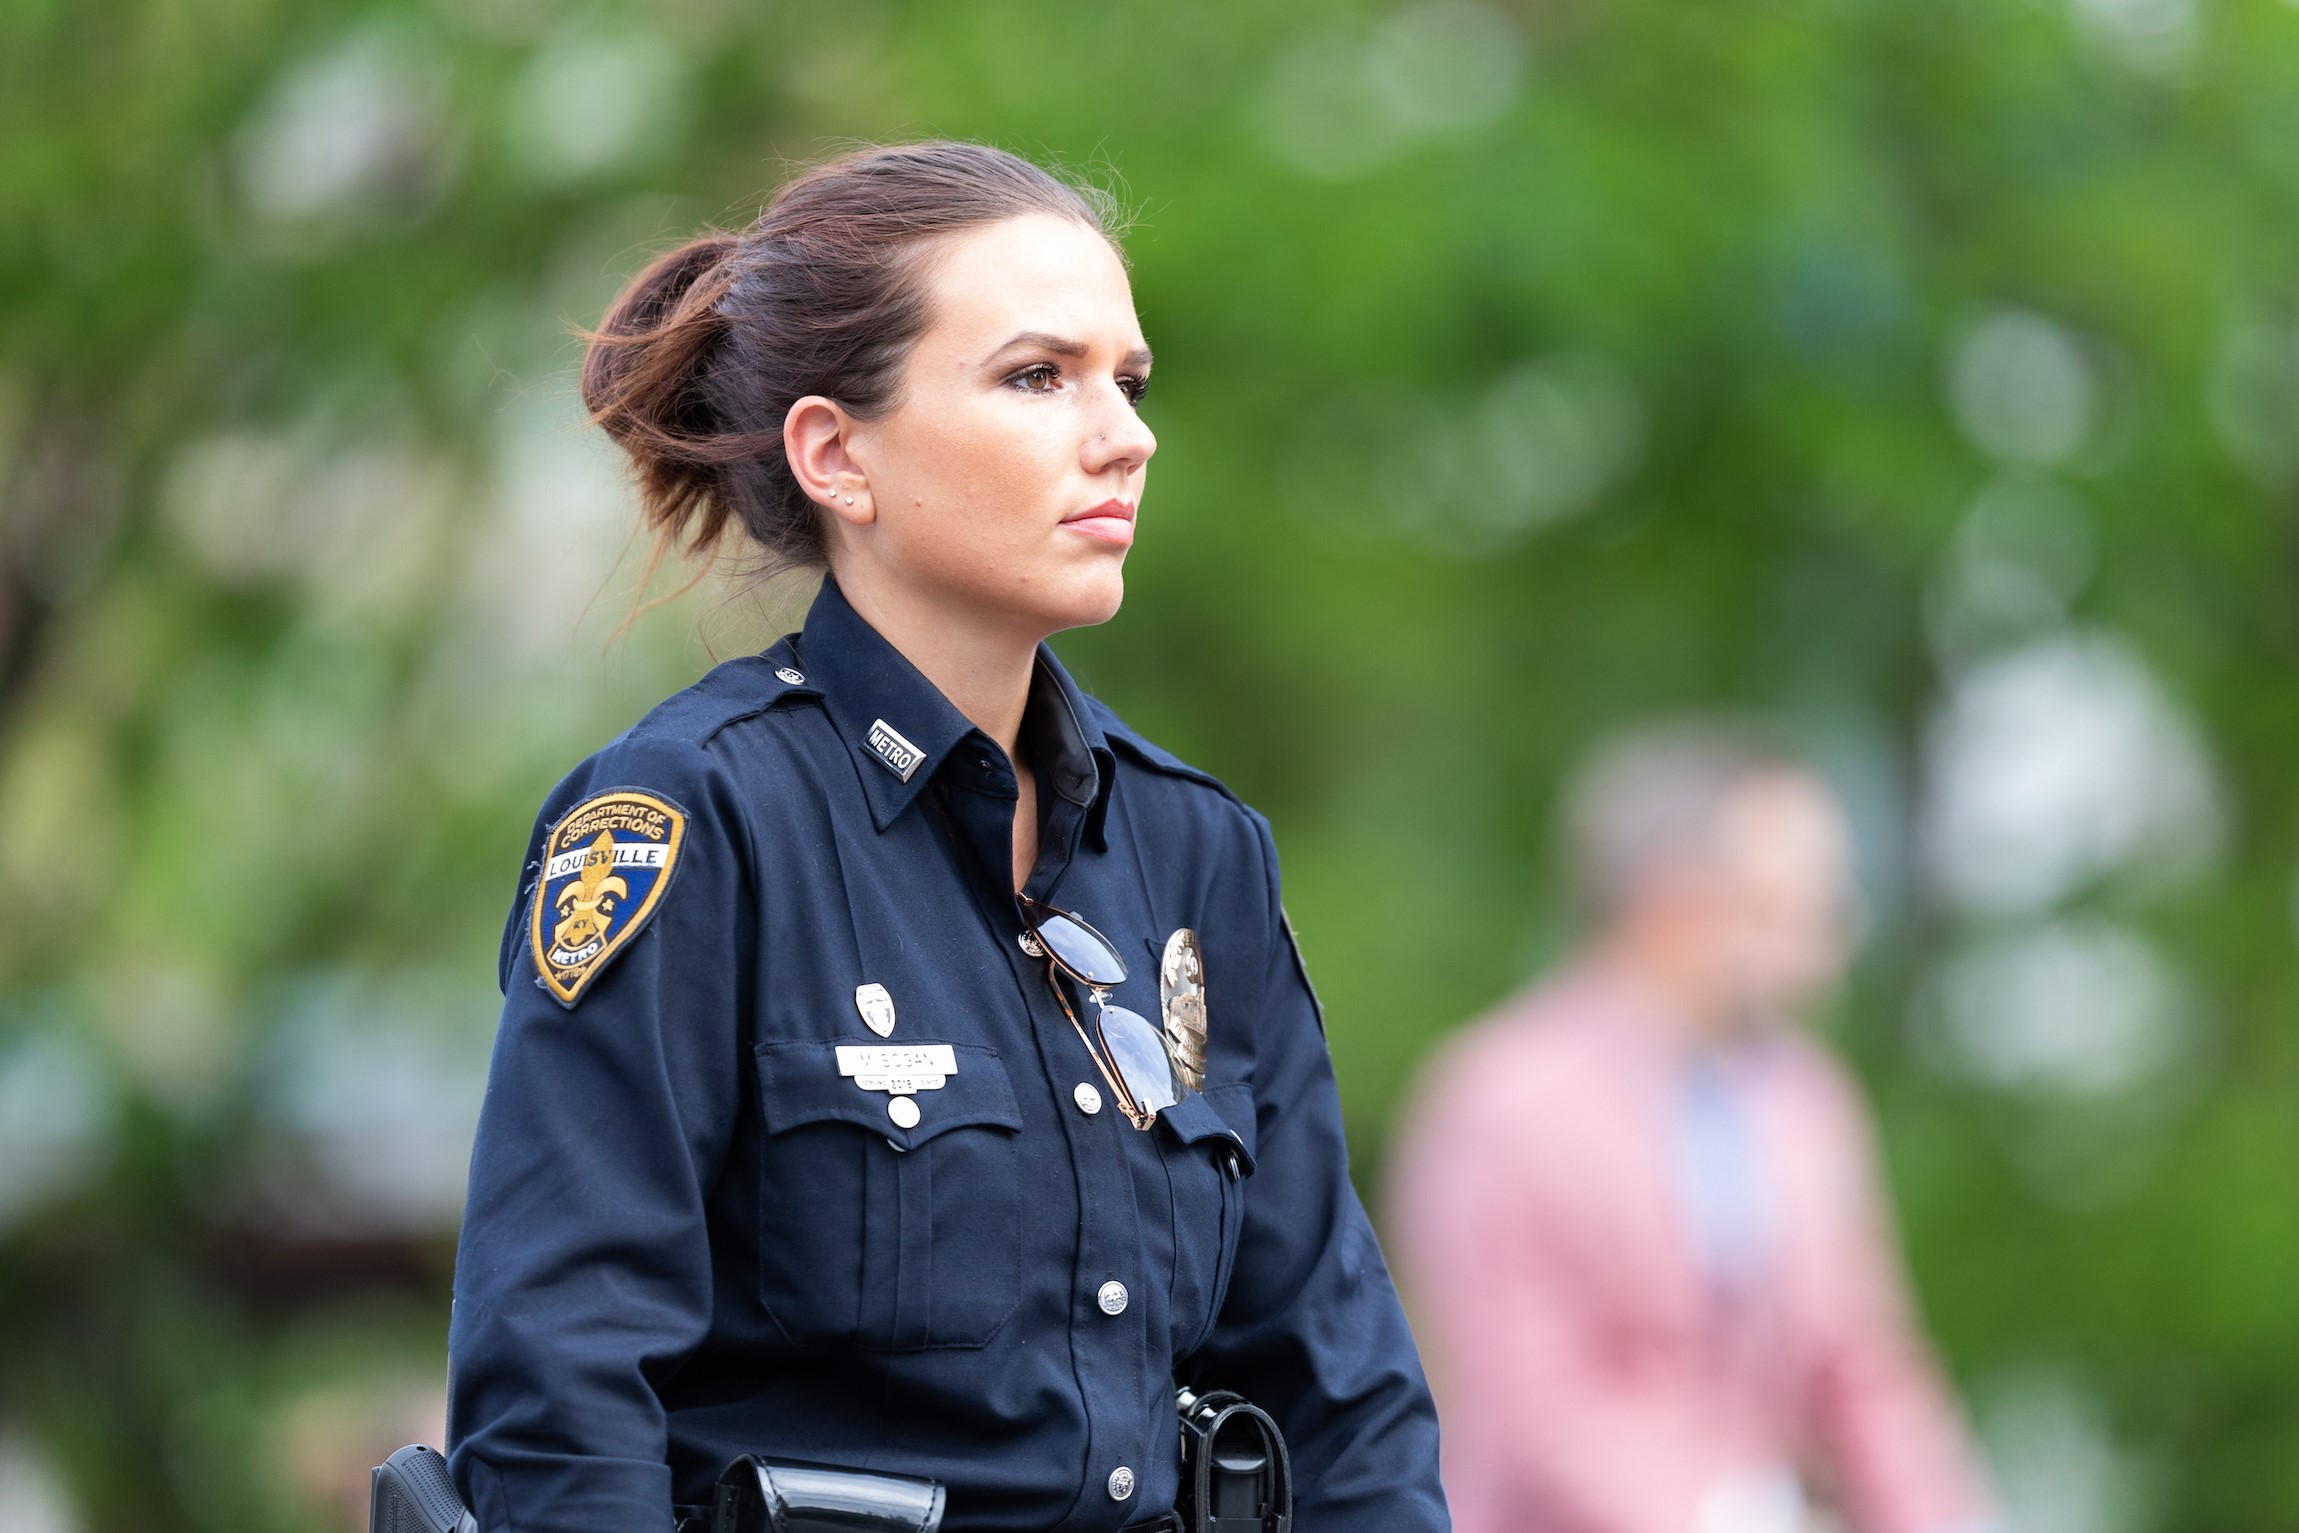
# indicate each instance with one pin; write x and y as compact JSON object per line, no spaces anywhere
{"x":706,"y":350}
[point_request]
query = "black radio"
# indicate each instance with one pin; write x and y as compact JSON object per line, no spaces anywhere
{"x":1235,"y":1477}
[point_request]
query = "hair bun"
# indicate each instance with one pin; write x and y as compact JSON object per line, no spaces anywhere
{"x":645,"y":382}
{"x":661,"y":327}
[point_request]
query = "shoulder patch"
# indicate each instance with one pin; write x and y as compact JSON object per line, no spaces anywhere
{"x":606,"y":865}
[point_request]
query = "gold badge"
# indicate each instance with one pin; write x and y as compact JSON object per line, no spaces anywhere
{"x":1181,"y":993}
{"x":605,"y":867}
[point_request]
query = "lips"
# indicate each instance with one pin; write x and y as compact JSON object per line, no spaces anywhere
{"x":1110,"y":522}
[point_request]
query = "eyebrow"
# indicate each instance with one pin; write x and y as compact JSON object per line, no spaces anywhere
{"x":1065,"y":346}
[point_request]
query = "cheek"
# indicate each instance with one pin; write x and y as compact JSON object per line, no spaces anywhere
{"x":986,"y":474}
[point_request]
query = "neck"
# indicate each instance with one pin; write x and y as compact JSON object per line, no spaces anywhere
{"x":982,"y":667}
{"x":1678,"y":991}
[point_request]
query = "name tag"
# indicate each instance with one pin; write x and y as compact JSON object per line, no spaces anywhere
{"x":901,"y":1069}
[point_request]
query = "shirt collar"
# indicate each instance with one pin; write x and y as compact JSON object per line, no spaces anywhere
{"x":893,"y":718}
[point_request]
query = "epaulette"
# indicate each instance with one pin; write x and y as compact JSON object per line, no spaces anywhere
{"x":730,"y":692}
{"x":1156,"y":757}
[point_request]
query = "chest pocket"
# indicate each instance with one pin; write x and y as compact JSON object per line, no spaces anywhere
{"x":891,"y":1237}
{"x":1211,"y":1160}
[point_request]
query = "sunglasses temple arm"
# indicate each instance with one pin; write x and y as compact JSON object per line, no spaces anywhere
{"x":1110,"y":1077}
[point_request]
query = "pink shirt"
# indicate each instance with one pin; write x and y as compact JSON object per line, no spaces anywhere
{"x":1589,"y":1377}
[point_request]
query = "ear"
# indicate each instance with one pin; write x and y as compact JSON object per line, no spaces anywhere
{"x":817,"y":438}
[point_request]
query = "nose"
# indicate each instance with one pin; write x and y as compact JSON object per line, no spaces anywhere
{"x":1123,"y":441}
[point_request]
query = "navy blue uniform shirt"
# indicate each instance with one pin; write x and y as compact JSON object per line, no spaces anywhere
{"x":691,"y":1236}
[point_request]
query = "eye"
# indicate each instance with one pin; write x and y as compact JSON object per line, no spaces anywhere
{"x":1136,"y":389}
{"x":1037,"y":378}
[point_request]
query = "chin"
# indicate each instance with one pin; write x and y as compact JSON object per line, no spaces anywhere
{"x":1080,"y":600}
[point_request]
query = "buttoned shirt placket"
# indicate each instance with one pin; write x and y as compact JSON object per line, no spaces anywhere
{"x":1108,"y":1352}
{"x":969,"y":788}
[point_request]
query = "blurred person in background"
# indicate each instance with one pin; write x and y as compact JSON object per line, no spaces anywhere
{"x":1638,"y":1210}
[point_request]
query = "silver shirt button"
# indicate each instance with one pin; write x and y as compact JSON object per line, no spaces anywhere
{"x":903,"y":1111}
{"x":1112,"y":1297}
{"x":1121,"y":1484}
{"x":789,"y":676}
{"x":1088,"y":1097}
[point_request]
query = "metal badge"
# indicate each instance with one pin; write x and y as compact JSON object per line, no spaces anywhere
{"x":901,"y":757}
{"x":877,"y":1008}
{"x":1181,"y":994}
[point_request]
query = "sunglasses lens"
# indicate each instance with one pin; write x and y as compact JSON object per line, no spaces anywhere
{"x":1139,"y":1053}
{"x":1082,"y":950}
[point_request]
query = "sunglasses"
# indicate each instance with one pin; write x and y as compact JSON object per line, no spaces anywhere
{"x":1127,"y":1049}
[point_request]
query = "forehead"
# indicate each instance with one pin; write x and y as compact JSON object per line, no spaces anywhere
{"x":1037,"y":272}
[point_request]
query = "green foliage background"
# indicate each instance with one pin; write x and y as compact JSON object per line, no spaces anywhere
{"x":309,"y":577}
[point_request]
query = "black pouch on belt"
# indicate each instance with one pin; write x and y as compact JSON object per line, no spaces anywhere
{"x":1235,"y":1477}
{"x":413,"y":1494}
{"x":757,"y":1495}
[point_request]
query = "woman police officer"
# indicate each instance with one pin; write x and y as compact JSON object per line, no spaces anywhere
{"x":905,"y":1066}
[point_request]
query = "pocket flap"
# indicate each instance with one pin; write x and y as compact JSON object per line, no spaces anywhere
{"x":1221,"y":1113}
{"x":799,"y":1083}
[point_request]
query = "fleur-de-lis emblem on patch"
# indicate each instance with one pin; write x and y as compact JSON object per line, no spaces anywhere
{"x":587,"y":906}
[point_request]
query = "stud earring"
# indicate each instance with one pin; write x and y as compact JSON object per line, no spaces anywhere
{"x":850,"y":500}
